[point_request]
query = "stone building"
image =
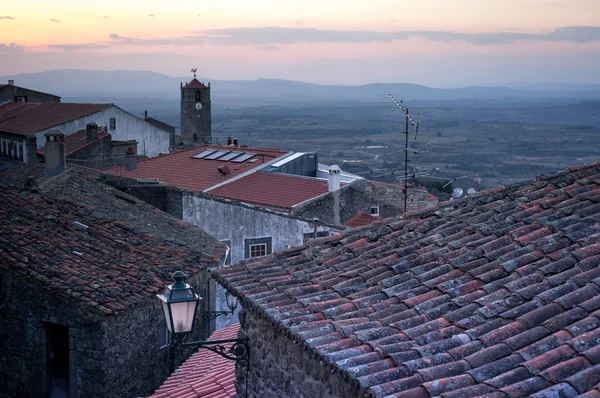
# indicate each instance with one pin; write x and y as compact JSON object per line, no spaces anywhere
{"x":496,"y":295}
{"x":94,"y":148}
{"x":196,"y":123}
{"x":80,"y":264}
{"x":20,"y":122}
{"x":11,"y":93}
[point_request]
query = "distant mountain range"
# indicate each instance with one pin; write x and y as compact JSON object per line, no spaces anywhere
{"x":140,"y":84}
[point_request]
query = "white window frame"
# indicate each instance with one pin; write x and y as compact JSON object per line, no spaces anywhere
{"x":376,"y":208}
{"x":263,"y":247}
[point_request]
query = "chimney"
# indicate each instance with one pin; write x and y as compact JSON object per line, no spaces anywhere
{"x":229,"y":141}
{"x":130,"y":159}
{"x":56,"y":161}
{"x":145,"y":114}
{"x":334,"y":178}
{"x":92,"y":132}
{"x":11,"y":82}
{"x":235,"y":142}
{"x":31,"y":148}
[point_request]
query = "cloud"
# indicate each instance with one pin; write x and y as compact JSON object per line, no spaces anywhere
{"x":76,"y":47}
{"x":268,"y":48}
{"x":151,"y":15}
{"x":106,"y":17}
{"x":54,"y":20}
{"x":117,"y":39}
{"x":6,"y":17}
{"x":279,"y":35}
{"x":11,"y":48}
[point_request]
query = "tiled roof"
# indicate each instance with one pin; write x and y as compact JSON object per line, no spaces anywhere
{"x":495,"y":295}
{"x":30,"y":117}
{"x":273,"y":190}
{"x":361,"y":219}
{"x":126,"y":255}
{"x":77,"y":141}
{"x":179,"y":169}
{"x":204,"y":374}
{"x":195,"y":84}
{"x":160,"y":124}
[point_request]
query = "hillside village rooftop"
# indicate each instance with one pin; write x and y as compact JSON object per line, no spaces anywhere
{"x":494,"y":295}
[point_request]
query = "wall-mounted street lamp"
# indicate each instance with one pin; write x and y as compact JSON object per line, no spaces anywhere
{"x":179,"y":305}
{"x":232,"y":303}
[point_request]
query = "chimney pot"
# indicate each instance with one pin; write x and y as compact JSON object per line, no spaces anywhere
{"x":334,"y":178}
{"x":235,"y":141}
{"x":229,"y":141}
{"x":54,"y":153}
{"x":92,"y":132}
{"x":145,"y":114}
{"x":11,"y":82}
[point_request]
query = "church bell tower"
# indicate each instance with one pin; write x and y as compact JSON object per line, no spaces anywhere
{"x":195,"y":112}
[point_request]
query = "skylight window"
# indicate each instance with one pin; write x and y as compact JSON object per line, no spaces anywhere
{"x":243,"y":158}
{"x":230,"y":156}
{"x":216,"y":155}
{"x":203,"y":154}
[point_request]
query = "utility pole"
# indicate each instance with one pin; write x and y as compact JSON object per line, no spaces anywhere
{"x":408,"y":119}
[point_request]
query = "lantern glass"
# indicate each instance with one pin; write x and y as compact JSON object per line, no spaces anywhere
{"x":232,"y":301}
{"x":179,"y":305}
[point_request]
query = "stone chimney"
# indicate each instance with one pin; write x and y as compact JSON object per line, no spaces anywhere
{"x":130,"y":159}
{"x":334,"y":178}
{"x":229,"y":141}
{"x":31,"y":148}
{"x":92,"y":132}
{"x":235,"y":142}
{"x":56,"y":160}
{"x":11,"y":82}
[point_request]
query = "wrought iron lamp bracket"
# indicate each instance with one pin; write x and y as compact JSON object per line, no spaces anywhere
{"x":238,"y":351}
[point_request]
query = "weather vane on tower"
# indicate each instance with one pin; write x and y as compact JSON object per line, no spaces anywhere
{"x":194,"y":71}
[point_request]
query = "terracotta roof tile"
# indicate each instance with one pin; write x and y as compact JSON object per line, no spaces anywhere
{"x":361,"y":219}
{"x":181,"y":170}
{"x":127,"y":253}
{"x":204,"y":374}
{"x":30,"y":117}
{"x":496,"y":294}
{"x":78,"y":140}
{"x":195,"y":83}
{"x":273,"y":190}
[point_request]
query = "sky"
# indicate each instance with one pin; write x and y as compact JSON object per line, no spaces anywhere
{"x":441,"y":43}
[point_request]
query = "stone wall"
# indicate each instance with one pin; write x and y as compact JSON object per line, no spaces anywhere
{"x":280,"y":368}
{"x":110,"y":356}
{"x":24,"y":309}
{"x":95,"y":155}
{"x":338,"y":206}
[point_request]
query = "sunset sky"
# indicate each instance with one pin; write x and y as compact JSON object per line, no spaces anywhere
{"x":441,"y":43}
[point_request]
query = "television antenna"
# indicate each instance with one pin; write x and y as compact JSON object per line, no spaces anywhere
{"x":409,"y":121}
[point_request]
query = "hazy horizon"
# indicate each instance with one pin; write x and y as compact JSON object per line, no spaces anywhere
{"x":435,"y":43}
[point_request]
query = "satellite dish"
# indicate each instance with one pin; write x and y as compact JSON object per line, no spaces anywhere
{"x":471,"y":191}
{"x":457,"y":193}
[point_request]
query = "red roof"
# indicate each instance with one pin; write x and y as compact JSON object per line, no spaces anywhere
{"x":30,"y":117}
{"x":361,"y":219}
{"x":195,"y":84}
{"x":274,"y":190}
{"x":204,"y":374}
{"x":179,"y":169}
{"x":81,"y":240}
{"x":496,"y":295}
{"x":77,"y":141}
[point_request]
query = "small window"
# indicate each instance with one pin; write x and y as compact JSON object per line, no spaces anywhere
{"x":257,"y":247}
{"x":113,"y":123}
{"x":164,"y":336}
{"x":375,"y":210}
{"x":198,"y":95}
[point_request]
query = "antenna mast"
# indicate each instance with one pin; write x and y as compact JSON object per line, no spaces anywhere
{"x":410,"y":120}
